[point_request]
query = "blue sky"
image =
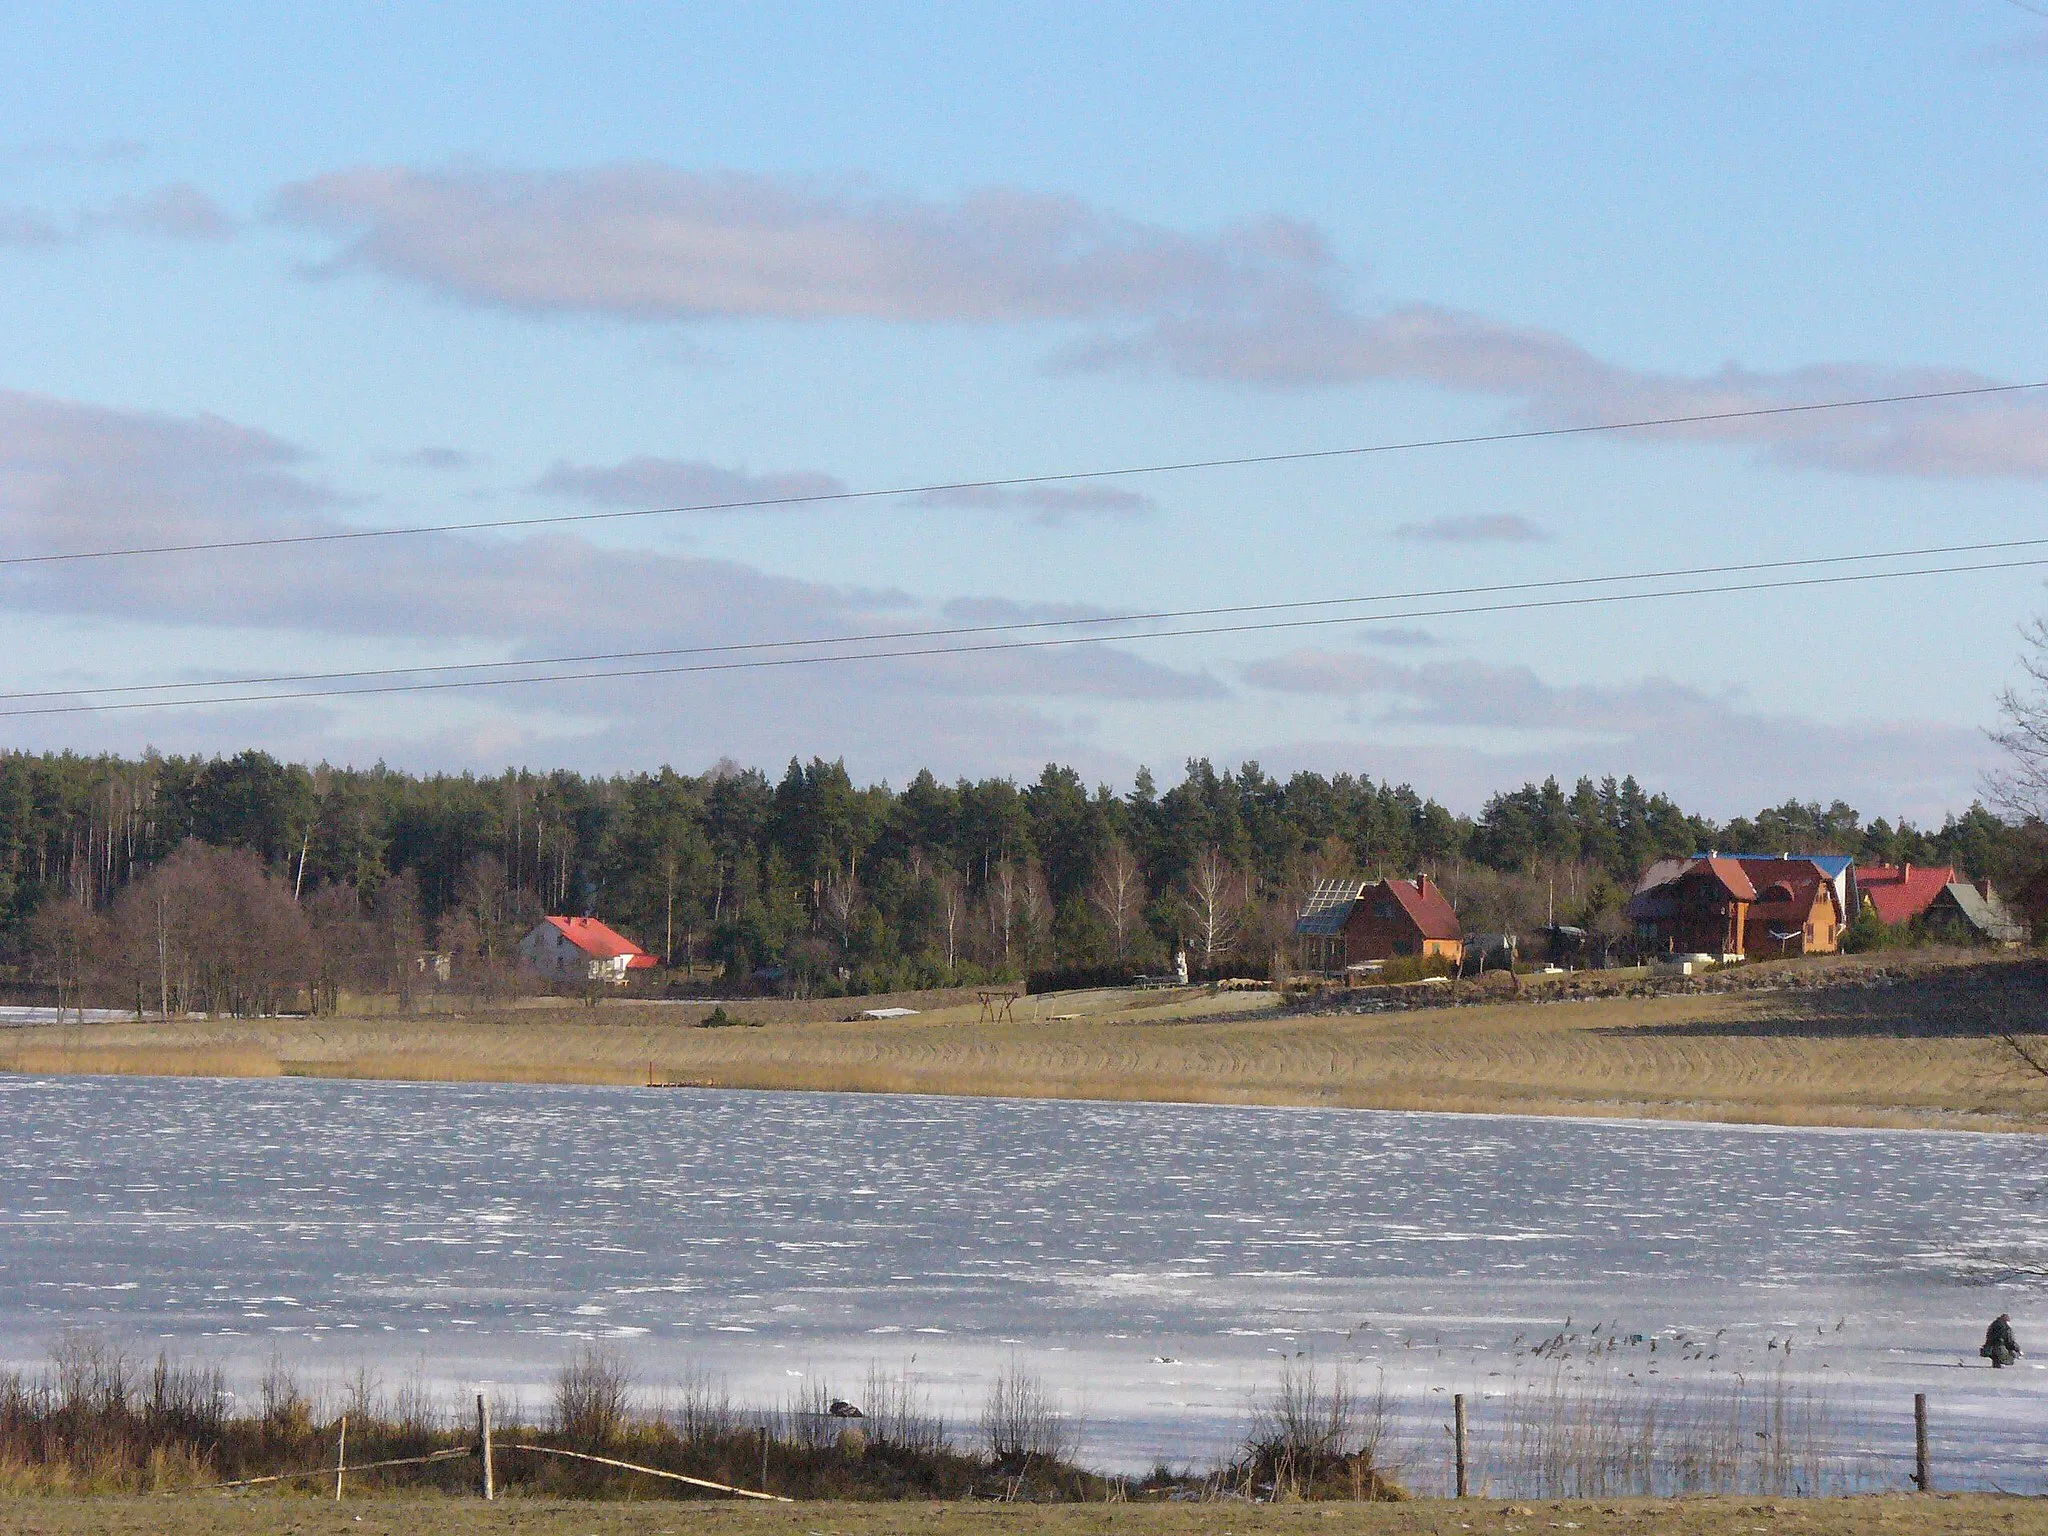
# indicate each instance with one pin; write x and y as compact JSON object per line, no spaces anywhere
{"x":277,"y":268}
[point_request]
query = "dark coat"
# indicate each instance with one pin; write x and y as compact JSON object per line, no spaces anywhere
{"x":1999,"y":1336}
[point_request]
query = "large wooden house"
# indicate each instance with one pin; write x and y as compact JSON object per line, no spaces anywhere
{"x":1738,"y":907}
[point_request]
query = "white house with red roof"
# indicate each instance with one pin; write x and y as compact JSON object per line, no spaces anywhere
{"x":582,"y":949}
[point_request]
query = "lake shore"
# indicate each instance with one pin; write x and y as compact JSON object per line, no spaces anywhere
{"x":1895,"y":1515}
{"x":1875,"y":1042}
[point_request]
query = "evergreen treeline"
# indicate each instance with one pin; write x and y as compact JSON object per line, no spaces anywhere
{"x":826,"y":883}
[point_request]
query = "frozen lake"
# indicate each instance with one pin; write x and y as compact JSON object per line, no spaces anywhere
{"x":1155,"y":1261}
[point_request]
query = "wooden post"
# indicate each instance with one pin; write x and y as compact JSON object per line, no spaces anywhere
{"x":1922,"y":1478}
{"x":340,"y":1457}
{"x":483,"y":1443}
{"x":1458,"y":1434}
{"x":764,"y":1458}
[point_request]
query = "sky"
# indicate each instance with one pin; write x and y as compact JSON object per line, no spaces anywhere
{"x":275,"y":271}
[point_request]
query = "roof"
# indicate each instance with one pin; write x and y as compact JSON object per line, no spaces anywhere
{"x":1426,"y":907}
{"x":1902,"y":892}
{"x":1328,"y":908}
{"x":1654,"y":899}
{"x":1987,"y":914}
{"x":1659,"y":873}
{"x":1831,"y":864}
{"x":600,"y":942}
{"x":1787,"y":892}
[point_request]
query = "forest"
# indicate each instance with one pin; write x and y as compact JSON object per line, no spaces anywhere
{"x":236,"y":882}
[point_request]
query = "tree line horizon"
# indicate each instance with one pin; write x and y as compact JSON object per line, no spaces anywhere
{"x":347,"y":874}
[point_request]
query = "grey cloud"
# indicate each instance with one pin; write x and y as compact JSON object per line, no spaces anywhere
{"x":24,"y":230}
{"x":1711,"y":750}
{"x":179,"y":211}
{"x":74,"y":476}
{"x":1004,"y":610}
{"x":1558,"y":385}
{"x":1048,"y":504}
{"x":78,"y":476}
{"x":1472,"y":693}
{"x":1398,"y":637}
{"x":1504,"y":528}
{"x":651,"y":242}
{"x":436,"y":457}
{"x":1263,"y":303}
{"x":653,"y":482}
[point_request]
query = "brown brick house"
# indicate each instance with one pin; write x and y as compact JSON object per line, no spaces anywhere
{"x":1349,"y":922}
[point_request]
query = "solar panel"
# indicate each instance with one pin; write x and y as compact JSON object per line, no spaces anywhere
{"x":1332,"y":893}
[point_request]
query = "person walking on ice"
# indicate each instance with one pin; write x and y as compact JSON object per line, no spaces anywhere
{"x":2000,"y":1347}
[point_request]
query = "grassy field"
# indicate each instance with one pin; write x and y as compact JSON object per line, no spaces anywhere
{"x":204,"y":1516}
{"x":1878,"y":1042}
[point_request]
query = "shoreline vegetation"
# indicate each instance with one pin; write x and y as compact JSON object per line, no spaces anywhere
{"x":97,"y":1421}
{"x":1885,"y":1041}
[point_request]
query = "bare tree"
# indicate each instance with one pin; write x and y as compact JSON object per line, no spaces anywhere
{"x":951,"y":892}
{"x":1118,"y":893}
{"x":2022,"y":788}
{"x":1211,"y":901}
{"x":1000,"y":893}
{"x":1034,"y":911}
{"x":66,"y":940}
{"x":840,"y":903}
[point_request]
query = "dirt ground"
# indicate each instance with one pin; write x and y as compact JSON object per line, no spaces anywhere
{"x":1876,"y":1041}
{"x":192,"y":1515}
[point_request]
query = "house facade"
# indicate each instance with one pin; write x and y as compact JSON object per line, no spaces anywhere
{"x":1736,"y":908}
{"x":578,"y":949}
{"x":1354,"y":922}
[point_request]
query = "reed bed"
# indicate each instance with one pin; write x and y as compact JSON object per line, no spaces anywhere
{"x":1612,"y":1436}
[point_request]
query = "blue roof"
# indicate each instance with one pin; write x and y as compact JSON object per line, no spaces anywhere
{"x":1832,"y":864}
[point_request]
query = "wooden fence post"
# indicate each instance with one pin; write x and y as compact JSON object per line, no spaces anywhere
{"x":340,"y":1457}
{"x":483,"y":1443}
{"x":1458,"y":1434}
{"x":1923,"y":1479}
{"x":764,"y":1458}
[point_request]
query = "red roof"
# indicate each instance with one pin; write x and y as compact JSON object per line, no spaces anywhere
{"x":1902,"y":892}
{"x":602,"y":943}
{"x":1426,"y":907}
{"x":1789,"y":891}
{"x":1733,"y":878}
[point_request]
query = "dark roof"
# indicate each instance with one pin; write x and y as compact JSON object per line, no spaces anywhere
{"x":1987,"y":914}
{"x":1328,"y":908}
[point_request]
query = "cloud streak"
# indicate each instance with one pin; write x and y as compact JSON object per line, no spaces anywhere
{"x":1263,"y":303}
{"x":1502,"y":529}
{"x":73,"y":474}
{"x":1710,"y":749}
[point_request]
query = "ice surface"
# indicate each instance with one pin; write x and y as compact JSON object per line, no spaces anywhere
{"x":1154,"y":1261}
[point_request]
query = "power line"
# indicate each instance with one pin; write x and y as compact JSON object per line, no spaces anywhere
{"x":1015,"y":482}
{"x":1095,"y":621}
{"x":762,"y":663}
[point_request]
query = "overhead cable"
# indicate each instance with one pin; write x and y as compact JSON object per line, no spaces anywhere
{"x":1017,"y":482}
{"x":1105,"y":621}
{"x":1042,"y":643}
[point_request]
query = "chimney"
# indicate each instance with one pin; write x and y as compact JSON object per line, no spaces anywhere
{"x":1984,"y":889}
{"x":1422,"y":884}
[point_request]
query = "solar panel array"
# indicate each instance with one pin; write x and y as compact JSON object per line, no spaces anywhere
{"x":1332,"y":893}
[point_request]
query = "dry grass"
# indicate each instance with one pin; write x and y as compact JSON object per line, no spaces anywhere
{"x":213,"y":1516}
{"x":1924,"y":1052}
